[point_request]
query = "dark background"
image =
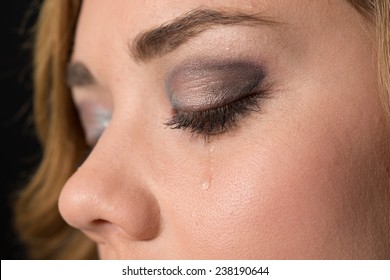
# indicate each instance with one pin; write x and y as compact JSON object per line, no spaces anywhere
{"x":20,"y":152}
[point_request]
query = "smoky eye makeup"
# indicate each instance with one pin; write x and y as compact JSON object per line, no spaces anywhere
{"x":207,"y":85}
{"x":94,"y":120}
{"x":209,"y":97}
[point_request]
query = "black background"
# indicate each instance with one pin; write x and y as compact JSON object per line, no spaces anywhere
{"x":20,"y":152}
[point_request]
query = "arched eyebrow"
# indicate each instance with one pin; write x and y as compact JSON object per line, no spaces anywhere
{"x":77,"y":74}
{"x":157,"y":42}
{"x":162,"y":40}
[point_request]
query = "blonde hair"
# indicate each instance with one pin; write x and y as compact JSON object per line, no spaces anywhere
{"x":36,"y":214}
{"x":37,"y":217}
{"x":378,"y":11}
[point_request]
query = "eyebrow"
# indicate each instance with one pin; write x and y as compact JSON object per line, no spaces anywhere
{"x":164,"y":39}
{"x":169,"y":36}
{"x":77,"y":74}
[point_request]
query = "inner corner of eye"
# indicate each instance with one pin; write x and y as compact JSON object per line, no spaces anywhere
{"x":173,"y":111}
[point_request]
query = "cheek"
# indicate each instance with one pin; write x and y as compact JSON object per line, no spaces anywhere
{"x":270,"y":204}
{"x":301,"y":191}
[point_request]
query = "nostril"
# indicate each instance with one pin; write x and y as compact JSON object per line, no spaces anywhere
{"x":148,"y":231}
{"x":98,"y":222}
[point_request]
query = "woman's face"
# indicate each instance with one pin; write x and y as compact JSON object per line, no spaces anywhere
{"x":229,"y":129}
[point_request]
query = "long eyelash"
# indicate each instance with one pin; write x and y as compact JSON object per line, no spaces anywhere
{"x":217,"y":120}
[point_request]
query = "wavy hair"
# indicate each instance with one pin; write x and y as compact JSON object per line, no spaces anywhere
{"x":37,"y":218}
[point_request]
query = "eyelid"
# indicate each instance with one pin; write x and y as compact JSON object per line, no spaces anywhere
{"x":94,"y":120}
{"x":221,"y":119}
{"x":207,"y":85}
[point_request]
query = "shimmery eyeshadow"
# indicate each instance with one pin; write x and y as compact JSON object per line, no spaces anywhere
{"x":95,"y":119}
{"x":102,"y":119}
{"x":204,"y":85}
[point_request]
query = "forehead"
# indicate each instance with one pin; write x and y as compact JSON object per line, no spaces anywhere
{"x":106,"y":28}
{"x":103,"y":23}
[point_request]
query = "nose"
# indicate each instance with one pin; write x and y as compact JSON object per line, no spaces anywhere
{"x":107,"y":196}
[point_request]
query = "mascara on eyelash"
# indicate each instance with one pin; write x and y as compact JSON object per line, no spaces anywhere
{"x":220,"y":120}
{"x":211,"y":100}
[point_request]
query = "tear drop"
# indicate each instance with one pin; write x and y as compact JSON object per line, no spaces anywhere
{"x":206,"y":185}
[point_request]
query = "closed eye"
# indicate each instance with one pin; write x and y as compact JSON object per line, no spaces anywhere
{"x":218,"y":120}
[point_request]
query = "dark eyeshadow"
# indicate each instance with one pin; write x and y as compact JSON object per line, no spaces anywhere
{"x":206,"y":84}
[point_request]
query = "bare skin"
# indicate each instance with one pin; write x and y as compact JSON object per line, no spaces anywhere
{"x":306,"y":176}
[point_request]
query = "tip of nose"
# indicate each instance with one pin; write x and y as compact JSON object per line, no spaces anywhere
{"x":94,"y":209}
{"x":72,"y":205}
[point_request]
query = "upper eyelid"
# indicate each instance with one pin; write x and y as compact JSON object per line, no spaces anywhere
{"x":211,"y":64}
{"x":220,"y":96}
{"x":94,"y":119}
{"x":210,"y":83}
{"x":207,"y":124}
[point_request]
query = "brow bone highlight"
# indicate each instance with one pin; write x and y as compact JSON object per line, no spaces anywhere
{"x":160,"y":41}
